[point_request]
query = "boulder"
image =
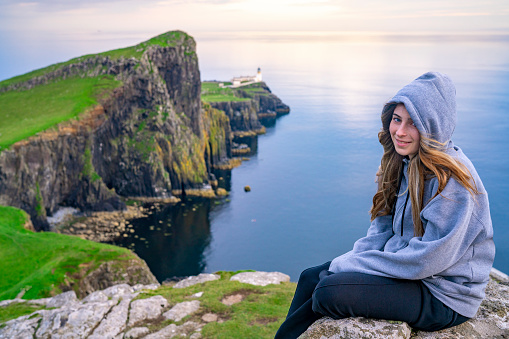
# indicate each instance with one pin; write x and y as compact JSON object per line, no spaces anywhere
{"x":260,"y":278}
{"x":196,"y":279}
{"x":491,"y":321}
{"x":111,"y":273}
{"x":173,"y":330}
{"x":328,"y":328}
{"x":62,"y":299}
{"x":181,"y":310}
{"x":146,"y":309}
{"x":74,"y":321}
{"x":114,"y":322}
{"x":137,"y":332}
{"x":22,"y":327}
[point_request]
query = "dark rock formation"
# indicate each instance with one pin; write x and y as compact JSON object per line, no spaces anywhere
{"x":150,"y":136}
{"x":112,"y":273}
{"x":246,"y":115}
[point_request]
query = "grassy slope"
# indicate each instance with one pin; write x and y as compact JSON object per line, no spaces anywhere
{"x":164,"y":40}
{"x":26,"y":112}
{"x":211,"y":92}
{"x":42,"y":261}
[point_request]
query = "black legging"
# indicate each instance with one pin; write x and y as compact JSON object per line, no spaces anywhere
{"x":323,"y":293}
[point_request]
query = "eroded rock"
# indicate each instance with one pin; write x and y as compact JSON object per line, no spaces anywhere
{"x":62,"y":299}
{"x":491,"y":321}
{"x":76,"y":320}
{"x":137,"y":332}
{"x":197,"y":279}
{"x":22,"y":327}
{"x":111,"y":273}
{"x":115,"y":321}
{"x":328,"y":328}
{"x":261,"y":278}
{"x":173,"y":330}
{"x":181,"y":310}
{"x":146,"y":309}
{"x":209,"y":317}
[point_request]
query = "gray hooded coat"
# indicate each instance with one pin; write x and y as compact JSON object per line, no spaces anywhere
{"x":455,"y":255}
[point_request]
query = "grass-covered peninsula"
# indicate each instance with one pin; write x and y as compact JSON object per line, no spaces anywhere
{"x":212,"y":92}
{"x":41,"y":263}
{"x":26,"y":112}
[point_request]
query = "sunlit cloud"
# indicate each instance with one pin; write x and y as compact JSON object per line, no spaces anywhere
{"x":153,"y":16}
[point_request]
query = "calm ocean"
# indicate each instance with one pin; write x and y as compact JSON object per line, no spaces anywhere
{"x":312,"y":177}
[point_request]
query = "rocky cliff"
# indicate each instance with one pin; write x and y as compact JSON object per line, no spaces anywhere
{"x":259,"y":105}
{"x":147,"y":137}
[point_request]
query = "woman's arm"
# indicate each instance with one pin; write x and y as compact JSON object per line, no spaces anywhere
{"x":378,"y":234}
{"x":450,"y":229}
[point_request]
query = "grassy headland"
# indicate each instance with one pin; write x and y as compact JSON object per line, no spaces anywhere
{"x":26,"y":112}
{"x":211,"y":92}
{"x":41,"y":262}
{"x":168,"y":39}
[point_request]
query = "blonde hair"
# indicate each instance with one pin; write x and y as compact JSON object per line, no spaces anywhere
{"x":430,"y":161}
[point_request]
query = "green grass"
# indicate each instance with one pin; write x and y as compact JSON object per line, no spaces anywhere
{"x":25,"y":113}
{"x":41,"y":262}
{"x":211,"y":92}
{"x":259,"y":315}
{"x":16,"y":310}
{"x":164,"y":40}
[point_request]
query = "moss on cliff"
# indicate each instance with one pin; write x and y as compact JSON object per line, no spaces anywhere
{"x":215,"y":122}
{"x":88,"y":170}
{"x":189,"y":163}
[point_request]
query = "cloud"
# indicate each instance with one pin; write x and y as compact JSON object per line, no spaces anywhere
{"x":252,"y":15}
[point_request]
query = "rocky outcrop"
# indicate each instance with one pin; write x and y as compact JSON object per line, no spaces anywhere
{"x":150,"y":136}
{"x":247,"y":115}
{"x":115,"y":313}
{"x":110,"y":273}
{"x":261,"y":278}
{"x":491,"y":321}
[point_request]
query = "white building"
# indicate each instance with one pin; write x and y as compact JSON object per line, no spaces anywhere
{"x":247,"y":80}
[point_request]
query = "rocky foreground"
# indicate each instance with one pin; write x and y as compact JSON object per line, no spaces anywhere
{"x":120,"y":312}
{"x":116,"y":313}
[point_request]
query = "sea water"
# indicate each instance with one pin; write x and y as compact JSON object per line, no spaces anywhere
{"x":312,"y":175}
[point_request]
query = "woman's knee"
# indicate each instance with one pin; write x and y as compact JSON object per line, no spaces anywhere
{"x":312,"y":274}
{"x":328,"y":300}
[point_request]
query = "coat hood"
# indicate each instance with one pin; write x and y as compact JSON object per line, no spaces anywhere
{"x":431,"y":103}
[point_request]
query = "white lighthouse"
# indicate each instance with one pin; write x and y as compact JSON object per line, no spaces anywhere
{"x":258,"y":77}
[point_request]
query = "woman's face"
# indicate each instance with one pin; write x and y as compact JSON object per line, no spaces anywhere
{"x":404,"y":134}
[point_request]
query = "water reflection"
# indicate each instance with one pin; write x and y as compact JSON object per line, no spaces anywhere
{"x":172,"y":240}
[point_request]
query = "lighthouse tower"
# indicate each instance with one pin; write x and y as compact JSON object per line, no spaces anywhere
{"x":258,"y":77}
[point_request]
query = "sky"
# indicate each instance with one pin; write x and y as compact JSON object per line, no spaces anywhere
{"x":253,"y":15}
{"x":28,"y":27}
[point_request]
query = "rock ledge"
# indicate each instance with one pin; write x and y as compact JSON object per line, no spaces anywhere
{"x":491,"y":321}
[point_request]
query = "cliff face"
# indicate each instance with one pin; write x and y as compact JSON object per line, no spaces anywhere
{"x":246,"y":115}
{"x":150,"y":136}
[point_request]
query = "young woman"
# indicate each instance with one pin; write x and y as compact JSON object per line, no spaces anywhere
{"x":427,"y":256}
